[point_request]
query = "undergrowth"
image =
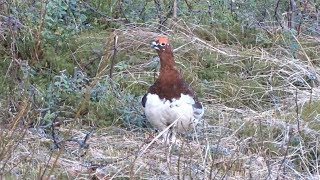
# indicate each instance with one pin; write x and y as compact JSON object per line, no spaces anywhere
{"x":73,"y":73}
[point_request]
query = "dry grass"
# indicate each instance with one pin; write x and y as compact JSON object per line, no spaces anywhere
{"x":256,"y":123}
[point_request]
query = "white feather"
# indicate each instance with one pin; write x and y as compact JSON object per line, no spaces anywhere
{"x":161,"y":112}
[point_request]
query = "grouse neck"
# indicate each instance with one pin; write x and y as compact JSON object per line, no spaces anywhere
{"x":169,"y":78}
{"x":166,"y":60}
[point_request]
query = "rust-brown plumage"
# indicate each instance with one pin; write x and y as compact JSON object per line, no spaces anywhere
{"x":170,"y":83}
{"x":170,"y":102}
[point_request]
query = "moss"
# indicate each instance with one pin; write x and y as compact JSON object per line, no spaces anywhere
{"x":213,"y":70}
{"x":58,"y":62}
{"x":102,"y":114}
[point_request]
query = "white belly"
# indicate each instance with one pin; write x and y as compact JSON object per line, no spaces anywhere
{"x":161,"y":113}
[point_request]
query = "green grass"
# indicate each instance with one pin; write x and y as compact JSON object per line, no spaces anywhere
{"x":258,"y":84}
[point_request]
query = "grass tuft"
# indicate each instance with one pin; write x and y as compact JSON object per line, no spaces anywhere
{"x":70,"y":102}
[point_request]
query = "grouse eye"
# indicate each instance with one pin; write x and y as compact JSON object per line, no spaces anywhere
{"x":163,"y":44}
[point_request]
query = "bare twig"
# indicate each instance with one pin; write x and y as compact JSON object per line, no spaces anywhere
{"x":190,"y":8}
{"x":101,"y":70}
{"x":209,"y":8}
{"x":82,"y":143}
{"x":297,"y":111}
{"x":159,"y":13}
{"x":276,"y":13}
{"x":46,"y":166}
{"x":175,"y":9}
{"x":302,"y":16}
{"x":53,"y":134}
{"x":38,"y":49}
{"x":286,"y":152}
{"x":113,"y":59}
{"x":291,"y":14}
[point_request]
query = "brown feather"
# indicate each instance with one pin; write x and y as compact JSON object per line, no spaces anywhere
{"x":170,"y":84}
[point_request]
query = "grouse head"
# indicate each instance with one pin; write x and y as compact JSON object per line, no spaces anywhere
{"x":161,"y":44}
{"x":163,"y":48}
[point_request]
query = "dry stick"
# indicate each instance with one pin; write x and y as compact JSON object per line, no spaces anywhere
{"x":284,"y":170}
{"x":55,"y":162}
{"x":212,"y":48}
{"x":121,"y":11}
{"x":210,"y":8}
{"x":59,"y":152}
{"x":105,"y":163}
{"x":264,"y":152}
{"x":87,"y":96}
{"x":104,"y":60}
{"x":229,"y":167}
{"x":190,"y":169}
{"x":86,"y":138}
{"x":159,"y":13}
{"x":276,"y":14}
{"x":53,"y":133}
{"x":179,"y":162}
{"x":206,"y":154}
{"x":317,"y":160}
{"x":13,"y":51}
{"x":213,"y":160}
{"x":285,"y":155}
{"x":290,"y":14}
{"x":41,"y":25}
{"x":310,"y":100}
{"x":168,"y":157}
{"x":297,"y":111}
{"x":81,"y":145}
{"x":74,"y":58}
{"x":293,"y":7}
{"x":305,"y":53}
{"x":261,"y":134}
{"x":46,"y":167}
{"x":302,"y":16}
{"x":175,"y":9}
{"x":131,"y":173}
{"x":24,"y":108}
{"x":188,"y":5}
{"x":11,"y":148}
{"x":268,"y":163}
{"x":218,"y":143}
{"x":157,"y":137}
{"x":115,"y":44}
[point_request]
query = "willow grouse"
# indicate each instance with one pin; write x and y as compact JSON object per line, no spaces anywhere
{"x":170,"y":100}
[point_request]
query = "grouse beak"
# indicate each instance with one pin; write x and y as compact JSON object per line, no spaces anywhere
{"x":154,"y":45}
